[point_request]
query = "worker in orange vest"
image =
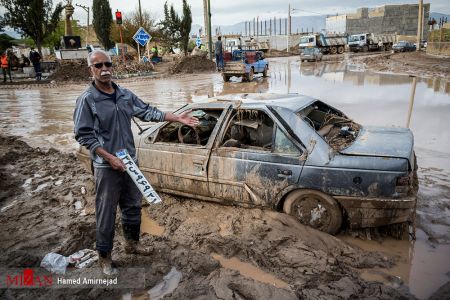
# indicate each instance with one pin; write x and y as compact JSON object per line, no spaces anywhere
{"x":5,"y":66}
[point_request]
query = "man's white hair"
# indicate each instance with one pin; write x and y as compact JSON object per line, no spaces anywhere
{"x":97,"y":52}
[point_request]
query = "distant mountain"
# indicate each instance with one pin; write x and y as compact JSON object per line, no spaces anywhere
{"x":11,"y":33}
{"x":299,"y":24}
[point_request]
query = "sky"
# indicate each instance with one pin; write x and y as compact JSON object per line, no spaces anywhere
{"x":229,"y":12}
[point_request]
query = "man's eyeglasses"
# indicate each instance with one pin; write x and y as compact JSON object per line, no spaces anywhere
{"x":107,"y":64}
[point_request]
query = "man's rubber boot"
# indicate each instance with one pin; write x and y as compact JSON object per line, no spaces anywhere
{"x":132,"y":244}
{"x":106,"y":263}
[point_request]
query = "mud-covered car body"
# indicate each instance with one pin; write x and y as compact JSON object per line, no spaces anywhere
{"x":266,"y":150}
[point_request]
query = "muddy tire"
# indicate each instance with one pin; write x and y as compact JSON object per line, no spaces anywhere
{"x":340,"y":49}
{"x":265,"y":71}
{"x":365,"y":49}
{"x":383,"y":48}
{"x":388,"y":47}
{"x":226,"y":78}
{"x":249,"y":76}
{"x":314,"y":209}
{"x":333,"y":50}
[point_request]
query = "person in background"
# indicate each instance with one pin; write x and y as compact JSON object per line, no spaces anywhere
{"x":25,"y":61}
{"x":102,"y":123}
{"x":6,"y":67}
{"x":218,"y":51}
{"x":35,"y":58}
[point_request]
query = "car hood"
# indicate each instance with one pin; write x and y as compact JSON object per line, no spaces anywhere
{"x":382,"y":142}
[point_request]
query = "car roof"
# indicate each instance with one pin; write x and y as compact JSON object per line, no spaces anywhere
{"x":294,"y":102}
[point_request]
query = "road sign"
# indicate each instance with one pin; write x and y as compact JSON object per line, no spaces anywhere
{"x":198,"y":42}
{"x":142,"y":37}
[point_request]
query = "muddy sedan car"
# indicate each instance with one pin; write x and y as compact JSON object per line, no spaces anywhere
{"x":291,"y":153}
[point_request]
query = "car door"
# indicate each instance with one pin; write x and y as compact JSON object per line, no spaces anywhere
{"x":180,"y":168}
{"x":252,"y":174}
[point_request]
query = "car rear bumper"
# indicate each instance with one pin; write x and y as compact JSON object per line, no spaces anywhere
{"x":374,"y":212}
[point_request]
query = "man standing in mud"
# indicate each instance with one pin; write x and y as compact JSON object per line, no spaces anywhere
{"x":102,"y":121}
{"x":218,"y":51}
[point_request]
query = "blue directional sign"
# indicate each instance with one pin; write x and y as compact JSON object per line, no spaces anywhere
{"x":198,"y":42}
{"x":142,"y":37}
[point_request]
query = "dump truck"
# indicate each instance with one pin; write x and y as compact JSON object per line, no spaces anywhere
{"x":371,"y":42}
{"x":332,"y":43}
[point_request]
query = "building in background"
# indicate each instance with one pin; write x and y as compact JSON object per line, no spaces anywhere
{"x":401,"y":19}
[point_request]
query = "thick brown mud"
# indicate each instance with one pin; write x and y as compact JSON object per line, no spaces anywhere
{"x":281,"y":259}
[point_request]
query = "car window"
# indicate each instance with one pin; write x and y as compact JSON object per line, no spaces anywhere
{"x":283,"y":145}
{"x":337,"y":129}
{"x":249,"y":129}
{"x":178,"y":133}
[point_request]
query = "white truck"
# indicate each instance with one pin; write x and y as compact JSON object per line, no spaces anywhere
{"x":371,"y":41}
{"x":332,"y":44}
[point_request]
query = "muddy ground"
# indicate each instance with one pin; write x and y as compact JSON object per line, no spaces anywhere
{"x":41,"y":193}
{"x":411,"y":63}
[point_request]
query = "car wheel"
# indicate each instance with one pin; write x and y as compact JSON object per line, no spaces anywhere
{"x":365,"y":49}
{"x":265,"y":71}
{"x":333,"y":50}
{"x":250,"y":75}
{"x":388,"y":47}
{"x":340,"y":49}
{"x":225,"y":77}
{"x":314,"y":209}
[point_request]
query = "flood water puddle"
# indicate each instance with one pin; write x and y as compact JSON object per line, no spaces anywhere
{"x":249,"y":270}
{"x":422,"y":266}
{"x":150,"y":226}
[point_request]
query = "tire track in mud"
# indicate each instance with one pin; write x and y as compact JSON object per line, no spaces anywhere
{"x":313,"y":264}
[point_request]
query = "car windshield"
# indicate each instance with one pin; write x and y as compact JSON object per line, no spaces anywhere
{"x":306,"y":39}
{"x":337,"y":129}
{"x":353,"y":38}
{"x":402,"y":43}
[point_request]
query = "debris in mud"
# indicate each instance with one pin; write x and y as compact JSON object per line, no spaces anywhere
{"x":193,"y":64}
{"x":77,"y":70}
{"x":71,"y":70}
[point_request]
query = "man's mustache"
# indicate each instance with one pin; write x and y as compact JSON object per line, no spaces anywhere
{"x":105,"y":73}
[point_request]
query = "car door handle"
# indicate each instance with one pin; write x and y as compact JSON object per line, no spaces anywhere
{"x":284,"y":173}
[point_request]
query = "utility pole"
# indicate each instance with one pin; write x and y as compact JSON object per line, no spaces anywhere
{"x":289,"y":27}
{"x":205,"y":16}
{"x":86,"y":8}
{"x":140,"y":14}
{"x":209,"y":30}
{"x":419,"y":25}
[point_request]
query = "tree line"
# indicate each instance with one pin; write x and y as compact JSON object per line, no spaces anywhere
{"x":40,"y":21}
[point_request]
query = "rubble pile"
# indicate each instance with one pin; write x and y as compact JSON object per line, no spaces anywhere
{"x":193,"y":64}
{"x":131,"y":66}
{"x":71,"y":70}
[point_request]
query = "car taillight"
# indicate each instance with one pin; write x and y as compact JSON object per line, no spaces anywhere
{"x":403,"y":181}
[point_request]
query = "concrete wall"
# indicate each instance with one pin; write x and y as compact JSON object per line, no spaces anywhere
{"x":279,"y":42}
{"x":400,"y":19}
{"x":336,"y":24}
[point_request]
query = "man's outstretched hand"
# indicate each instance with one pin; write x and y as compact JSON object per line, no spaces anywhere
{"x":186,"y":119}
